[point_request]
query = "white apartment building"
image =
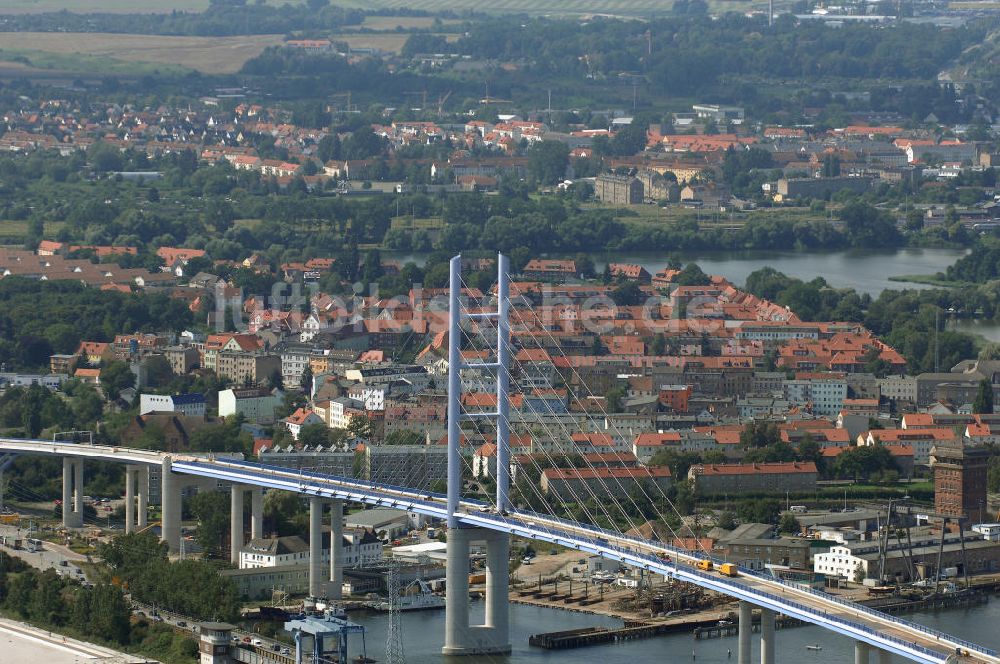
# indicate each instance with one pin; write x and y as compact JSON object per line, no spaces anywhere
{"x":371,"y":397}
{"x":841,"y":561}
{"x":183,"y":404}
{"x":293,"y":364}
{"x":342,"y":410}
{"x":360,"y":547}
{"x":256,"y":405}
{"x":825,"y":395}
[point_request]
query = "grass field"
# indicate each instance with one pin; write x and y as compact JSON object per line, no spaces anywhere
{"x":389,"y":42}
{"x":404,"y":22}
{"x":13,"y":231}
{"x":124,"y":54}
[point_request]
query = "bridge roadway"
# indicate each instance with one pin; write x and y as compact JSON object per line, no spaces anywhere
{"x":890,"y":633}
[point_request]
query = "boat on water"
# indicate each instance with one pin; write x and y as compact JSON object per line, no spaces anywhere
{"x":816,"y":647}
{"x":331,"y":610}
{"x":416,"y":596}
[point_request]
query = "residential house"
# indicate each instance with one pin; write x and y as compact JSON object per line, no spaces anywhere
{"x":300,"y":418}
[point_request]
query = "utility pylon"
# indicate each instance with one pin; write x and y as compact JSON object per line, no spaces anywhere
{"x":394,"y":635}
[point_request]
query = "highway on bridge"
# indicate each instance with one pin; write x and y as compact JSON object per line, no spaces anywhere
{"x":906,"y":639}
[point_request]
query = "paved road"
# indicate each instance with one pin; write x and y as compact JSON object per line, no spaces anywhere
{"x":55,"y":556}
{"x":21,"y":642}
{"x":824,"y":611}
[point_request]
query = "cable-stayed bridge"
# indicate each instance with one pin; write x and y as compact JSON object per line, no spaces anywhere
{"x":492,"y":521}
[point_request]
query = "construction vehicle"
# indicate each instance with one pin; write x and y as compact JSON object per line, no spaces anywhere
{"x":704,"y":564}
{"x":728,"y":569}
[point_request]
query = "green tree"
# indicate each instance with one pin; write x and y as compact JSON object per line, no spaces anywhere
{"x":115,"y":377}
{"x":692,"y":275}
{"x":789,"y":524}
{"x":361,"y":426}
{"x":21,"y":592}
{"x":47,"y":604}
{"x":726,"y":520}
{"x":404,"y":437}
{"x":615,"y":399}
{"x":284,"y":513}
{"x":547,"y":161}
{"x":758,"y":510}
{"x":211,"y":509}
{"x":984,"y":397}
{"x":319,"y":434}
{"x":108,"y":613}
{"x":627,"y":294}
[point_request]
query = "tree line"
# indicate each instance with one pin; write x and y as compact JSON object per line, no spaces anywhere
{"x":99,"y":613}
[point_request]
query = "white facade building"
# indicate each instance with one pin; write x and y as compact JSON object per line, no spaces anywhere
{"x":989,"y":531}
{"x":256,"y":405}
{"x":293,"y":365}
{"x":361,"y":547}
{"x":841,"y":561}
{"x":826,"y":396}
{"x":184,"y":404}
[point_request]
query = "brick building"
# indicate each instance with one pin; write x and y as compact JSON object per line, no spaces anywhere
{"x":618,"y":189}
{"x":735,"y":478}
{"x":959,"y":479}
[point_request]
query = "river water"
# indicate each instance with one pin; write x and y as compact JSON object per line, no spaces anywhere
{"x":864,"y":271}
{"x":423,"y":636}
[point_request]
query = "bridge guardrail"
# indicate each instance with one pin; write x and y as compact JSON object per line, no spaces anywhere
{"x":599,"y":542}
{"x":854,"y":606}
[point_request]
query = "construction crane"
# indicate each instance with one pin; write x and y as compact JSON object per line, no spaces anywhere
{"x":441,"y":101}
{"x":883,"y":542}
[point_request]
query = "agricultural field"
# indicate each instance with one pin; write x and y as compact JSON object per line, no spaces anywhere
{"x":622,"y":8}
{"x":13,"y":232}
{"x":553,"y":8}
{"x":387,"y":42}
{"x":402,"y":22}
{"x":130,"y":54}
{"x":86,"y":6}
{"x":112,"y":6}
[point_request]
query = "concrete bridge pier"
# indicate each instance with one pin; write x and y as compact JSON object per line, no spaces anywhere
{"x":745,"y":633}
{"x":336,"y":589}
{"x":170,"y":506}
{"x":315,"y":547}
{"x":72,"y":493}
{"x":861,"y":652}
{"x":492,"y":637}
{"x":767,"y":643}
{"x":236,"y":523}
{"x":142,"y":479}
{"x":256,"y":512}
{"x":136,"y":484}
{"x":236,"y":518}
